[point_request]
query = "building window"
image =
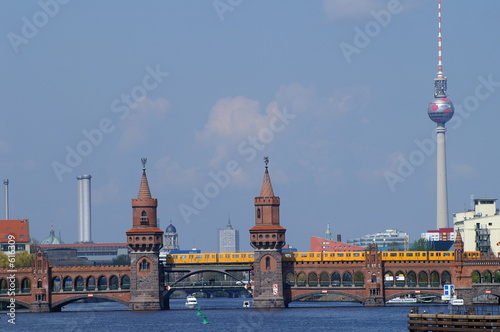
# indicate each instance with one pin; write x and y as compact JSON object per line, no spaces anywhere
{"x":268,"y":263}
{"x":258,"y":213}
{"x":144,"y":218}
{"x":144,"y":265}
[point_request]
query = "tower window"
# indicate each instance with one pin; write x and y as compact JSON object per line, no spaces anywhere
{"x":268,"y":263}
{"x":258,"y":213}
{"x":144,"y":218}
{"x":144,"y":265}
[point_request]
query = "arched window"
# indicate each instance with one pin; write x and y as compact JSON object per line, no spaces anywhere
{"x":347,"y":279}
{"x":374,"y":277}
{"x":434,"y":279}
{"x":400,"y":279}
{"x":335,"y":279}
{"x":412,"y":279}
{"x":388,"y":279}
{"x":56,"y":284}
{"x":144,"y":218}
{"x":103,"y":283}
{"x":113,"y":282}
{"x":487,"y":276}
{"x":422,"y":279}
{"x":90,"y":283}
{"x":359,"y":280}
{"x":125,"y":282}
{"x":25,"y":285}
{"x":144,"y":266}
{"x":324,"y":279}
{"x":301,"y":279}
{"x":445,"y":278}
{"x":258,"y":213}
{"x":268,"y":263}
{"x":78,"y":283}
{"x":290,"y":279}
{"x":39,"y":283}
{"x":312,"y":280}
{"x":476,"y":277}
{"x":67,"y":284}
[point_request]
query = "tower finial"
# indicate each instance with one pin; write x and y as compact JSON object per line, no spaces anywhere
{"x":266,"y":160}
{"x":144,"y":161}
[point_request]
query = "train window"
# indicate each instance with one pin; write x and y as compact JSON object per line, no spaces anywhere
{"x":356,"y":254}
{"x":228,"y":256}
{"x":243,"y":255}
{"x":236,"y":256}
{"x":183,"y":257}
{"x":348,"y":255}
{"x":340,"y":255}
{"x":199,"y":256}
{"x":303,"y":255}
{"x":251,"y":255}
{"x":409,"y":254}
{"x":438,"y":254}
{"x":288,"y":255}
{"x":447,"y":254}
{"x":393,"y":254}
{"x":431,"y":254}
{"x":213,"y":256}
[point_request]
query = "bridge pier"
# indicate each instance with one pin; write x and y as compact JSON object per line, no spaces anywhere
{"x":374,"y":301}
{"x":38,"y":307}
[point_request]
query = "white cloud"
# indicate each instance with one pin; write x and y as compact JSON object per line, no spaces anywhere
{"x":144,"y":114}
{"x":172,"y":174}
{"x":351,"y":8}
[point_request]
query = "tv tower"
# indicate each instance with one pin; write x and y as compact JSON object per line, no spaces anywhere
{"x":441,"y":111}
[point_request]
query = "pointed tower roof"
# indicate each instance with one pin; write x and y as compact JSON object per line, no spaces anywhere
{"x":144,"y":192}
{"x":458,"y":237}
{"x":267,"y":187}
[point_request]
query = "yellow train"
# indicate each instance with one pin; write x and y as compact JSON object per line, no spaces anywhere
{"x":347,"y":256}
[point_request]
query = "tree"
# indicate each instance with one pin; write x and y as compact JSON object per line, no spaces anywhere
{"x":21,"y":259}
{"x":34,"y":245}
{"x":421,"y":245}
{"x":121,"y":260}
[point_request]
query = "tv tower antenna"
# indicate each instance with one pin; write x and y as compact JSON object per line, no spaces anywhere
{"x":441,"y":111}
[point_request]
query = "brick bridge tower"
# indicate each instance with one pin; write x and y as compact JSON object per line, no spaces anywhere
{"x":267,"y":237}
{"x":145,"y":240}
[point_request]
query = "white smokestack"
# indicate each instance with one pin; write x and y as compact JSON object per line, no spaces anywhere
{"x":6,"y":195}
{"x":84,"y":220}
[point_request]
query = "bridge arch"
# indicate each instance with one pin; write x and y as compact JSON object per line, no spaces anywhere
{"x":324,"y":279}
{"x":192,"y":273}
{"x":354,"y":297}
{"x":22,"y":303}
{"x":57,"y":305}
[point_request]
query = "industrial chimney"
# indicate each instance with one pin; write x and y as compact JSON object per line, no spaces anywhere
{"x":6,"y":195}
{"x":84,"y":226}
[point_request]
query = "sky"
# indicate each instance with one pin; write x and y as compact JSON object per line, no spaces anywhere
{"x":335,"y":92}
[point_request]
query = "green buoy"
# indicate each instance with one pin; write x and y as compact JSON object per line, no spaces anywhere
{"x":205,"y":321}
{"x":199,"y":312}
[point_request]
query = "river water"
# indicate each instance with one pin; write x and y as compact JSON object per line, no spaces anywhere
{"x":223,"y":314}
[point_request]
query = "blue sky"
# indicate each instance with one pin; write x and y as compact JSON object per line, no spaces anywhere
{"x":335,"y":92}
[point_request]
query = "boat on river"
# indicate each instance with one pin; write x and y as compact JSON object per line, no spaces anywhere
{"x":191,"y":302}
{"x":402,"y":300}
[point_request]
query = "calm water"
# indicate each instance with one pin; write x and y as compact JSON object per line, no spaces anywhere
{"x":222,"y":314}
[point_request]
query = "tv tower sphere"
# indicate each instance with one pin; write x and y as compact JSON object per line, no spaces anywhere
{"x":441,"y":110}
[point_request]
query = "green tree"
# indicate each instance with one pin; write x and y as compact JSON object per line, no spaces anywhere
{"x":121,"y":260}
{"x":21,"y":259}
{"x":393,"y":246}
{"x":421,"y":245}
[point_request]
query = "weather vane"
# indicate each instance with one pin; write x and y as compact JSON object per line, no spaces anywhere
{"x":266,"y":160}
{"x":144,"y":161}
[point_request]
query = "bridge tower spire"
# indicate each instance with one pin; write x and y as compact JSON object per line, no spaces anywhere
{"x":145,"y":240}
{"x":267,"y":237}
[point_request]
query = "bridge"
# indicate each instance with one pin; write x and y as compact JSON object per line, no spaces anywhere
{"x":370,"y":277}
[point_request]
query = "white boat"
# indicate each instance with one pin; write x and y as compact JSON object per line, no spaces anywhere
{"x":191,"y":301}
{"x":399,"y":300}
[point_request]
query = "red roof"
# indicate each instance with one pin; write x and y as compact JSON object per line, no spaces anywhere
{"x":19,"y":228}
